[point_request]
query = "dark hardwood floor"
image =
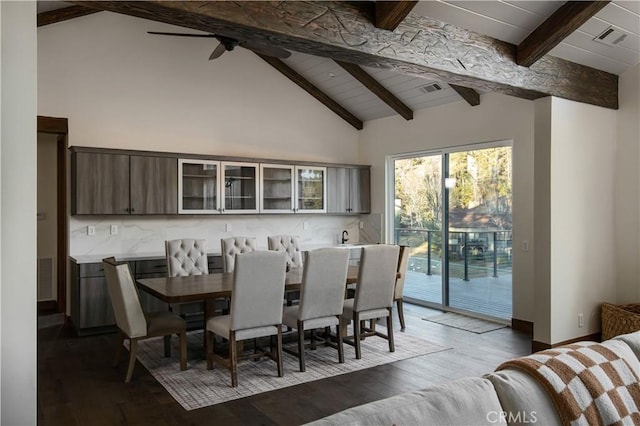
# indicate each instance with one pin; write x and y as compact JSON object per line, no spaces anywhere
{"x":78,"y":386}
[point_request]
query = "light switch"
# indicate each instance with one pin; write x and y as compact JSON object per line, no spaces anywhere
{"x":228,"y":227}
{"x":114,"y":229}
{"x":305,"y":225}
{"x":91,"y":230}
{"x":525,"y":245}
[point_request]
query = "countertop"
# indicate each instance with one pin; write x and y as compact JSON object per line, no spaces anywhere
{"x":96,"y":258}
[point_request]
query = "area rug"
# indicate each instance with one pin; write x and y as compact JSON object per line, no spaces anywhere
{"x":463,"y":322}
{"x":198,"y":387}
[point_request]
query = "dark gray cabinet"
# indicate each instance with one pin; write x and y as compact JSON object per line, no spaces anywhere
{"x":100,"y":183}
{"x":153,"y":185}
{"x":109,"y":183}
{"x":348,"y":190}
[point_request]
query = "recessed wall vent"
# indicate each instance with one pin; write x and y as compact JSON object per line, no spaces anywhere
{"x":611,"y":36}
{"x":430,"y":88}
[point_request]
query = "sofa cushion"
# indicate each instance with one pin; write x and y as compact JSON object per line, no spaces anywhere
{"x":524,"y":400}
{"x":471,"y":401}
{"x":632,"y":340}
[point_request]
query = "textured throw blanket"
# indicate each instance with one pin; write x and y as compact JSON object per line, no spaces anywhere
{"x":588,"y":382}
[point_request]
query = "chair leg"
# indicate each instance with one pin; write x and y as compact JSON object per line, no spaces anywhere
{"x":301,"y":346}
{"x":400,"y":305}
{"x":211,"y":338}
{"x":120,"y":343}
{"x":356,"y":334}
{"x":279,"y":351}
{"x":133,"y":350}
{"x":392,"y":347}
{"x":233,"y":359}
{"x":167,"y":346}
{"x":183,"y":350}
{"x":340,"y":345}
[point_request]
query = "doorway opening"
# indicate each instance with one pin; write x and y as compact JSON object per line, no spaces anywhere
{"x":52,"y":215}
{"x":453,"y":209}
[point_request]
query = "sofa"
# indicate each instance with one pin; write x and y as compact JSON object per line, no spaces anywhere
{"x":510,"y":395}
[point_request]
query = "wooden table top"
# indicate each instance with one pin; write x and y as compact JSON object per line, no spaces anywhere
{"x":211,"y":286}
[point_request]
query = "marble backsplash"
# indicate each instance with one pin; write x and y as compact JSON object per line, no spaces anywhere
{"x":137,"y":235}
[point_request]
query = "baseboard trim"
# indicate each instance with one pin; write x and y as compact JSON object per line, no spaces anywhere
{"x":522,"y":325}
{"x":47,"y":307}
{"x":537,"y":346}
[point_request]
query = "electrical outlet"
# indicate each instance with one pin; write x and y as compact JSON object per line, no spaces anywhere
{"x":91,"y":230}
{"x":361,"y":225}
{"x":305,"y":225}
{"x":228,"y":227}
{"x":114,"y":229}
{"x":580,"y":320}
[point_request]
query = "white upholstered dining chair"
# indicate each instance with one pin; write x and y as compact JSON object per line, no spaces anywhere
{"x":256,"y":310}
{"x":321,"y":299}
{"x":233,"y":246}
{"x":374,"y":294}
{"x":403,"y":262}
{"x":187,"y":256}
{"x":133,"y":323}
{"x":290,"y":244}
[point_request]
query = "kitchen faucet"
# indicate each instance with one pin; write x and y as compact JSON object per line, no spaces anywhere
{"x":345,"y":236}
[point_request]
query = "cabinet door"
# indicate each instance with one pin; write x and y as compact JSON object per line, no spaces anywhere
{"x":95,"y":304}
{"x":359,"y":191}
{"x":154,"y":185}
{"x":338,"y":190}
{"x":276,"y":190}
{"x":241,"y":187}
{"x":198,"y":186}
{"x":100,"y":183}
{"x":311,"y":189}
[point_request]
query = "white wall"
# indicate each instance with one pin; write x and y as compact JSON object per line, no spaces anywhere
{"x":497,"y":118}
{"x":580,"y":207}
{"x":123,"y":88}
{"x":628,"y":188}
{"x":17,"y":213}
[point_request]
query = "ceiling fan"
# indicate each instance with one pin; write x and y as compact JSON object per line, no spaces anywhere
{"x":228,"y":44}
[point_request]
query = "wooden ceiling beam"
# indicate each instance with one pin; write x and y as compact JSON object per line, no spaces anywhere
{"x":568,"y":18}
{"x":420,"y":46}
{"x":389,"y":14}
{"x":377,"y":89}
{"x":471,"y":96}
{"x":64,"y":14}
{"x":305,"y":84}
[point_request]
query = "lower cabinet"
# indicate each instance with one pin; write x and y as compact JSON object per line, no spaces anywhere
{"x":91,"y":311}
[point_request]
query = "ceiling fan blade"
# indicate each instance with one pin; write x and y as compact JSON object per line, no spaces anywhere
{"x":218,"y":51}
{"x":265,"y":49}
{"x":181,"y":34}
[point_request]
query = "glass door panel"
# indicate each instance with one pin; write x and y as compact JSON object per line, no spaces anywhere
{"x":198,"y":186}
{"x":418,"y":224}
{"x":311,"y":190}
{"x":479,"y":231}
{"x":277,"y":188}
{"x":240,"y":187}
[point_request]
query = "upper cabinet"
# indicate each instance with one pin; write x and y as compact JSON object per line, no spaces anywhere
{"x":110,"y":183}
{"x":241,"y":187}
{"x":120,"y":182}
{"x":277,"y":188}
{"x":311,"y":189}
{"x":349,"y":190}
{"x":198,"y":186}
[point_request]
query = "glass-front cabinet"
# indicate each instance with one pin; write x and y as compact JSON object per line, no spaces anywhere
{"x":311,"y":189}
{"x":241,"y":187}
{"x":198,"y":186}
{"x":277,"y":189}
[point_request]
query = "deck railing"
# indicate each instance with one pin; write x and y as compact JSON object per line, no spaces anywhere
{"x":464,"y":247}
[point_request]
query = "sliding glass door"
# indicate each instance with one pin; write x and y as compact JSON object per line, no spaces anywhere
{"x":454,"y":210}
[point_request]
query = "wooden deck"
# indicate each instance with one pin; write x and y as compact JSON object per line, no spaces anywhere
{"x":484,"y":295}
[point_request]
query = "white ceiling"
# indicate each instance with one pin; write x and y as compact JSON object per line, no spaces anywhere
{"x":510,"y":21}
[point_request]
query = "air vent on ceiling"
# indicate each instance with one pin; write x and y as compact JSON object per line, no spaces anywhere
{"x":611,"y":36}
{"x":430,"y":88}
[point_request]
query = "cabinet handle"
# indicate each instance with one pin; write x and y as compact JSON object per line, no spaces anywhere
{"x":127,"y":210}
{"x":133,"y":210}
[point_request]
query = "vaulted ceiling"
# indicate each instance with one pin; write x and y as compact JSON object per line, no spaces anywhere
{"x":366,"y":60}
